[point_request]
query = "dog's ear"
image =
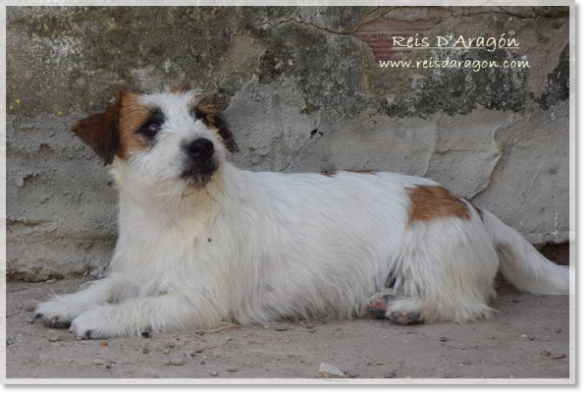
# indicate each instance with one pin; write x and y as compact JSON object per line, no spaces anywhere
{"x":100,"y":131}
{"x":209,"y":113}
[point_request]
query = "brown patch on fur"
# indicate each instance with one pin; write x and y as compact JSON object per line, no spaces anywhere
{"x":132,"y":116}
{"x":430,"y":202}
{"x":112,"y":132}
{"x":100,"y":130}
{"x":213,"y":118}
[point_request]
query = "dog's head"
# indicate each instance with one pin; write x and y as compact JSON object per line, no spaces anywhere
{"x":172,"y":134}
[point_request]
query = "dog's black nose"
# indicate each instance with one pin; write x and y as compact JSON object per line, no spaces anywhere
{"x":201,"y":149}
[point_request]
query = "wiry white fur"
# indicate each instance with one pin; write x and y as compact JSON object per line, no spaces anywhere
{"x":258,"y":247}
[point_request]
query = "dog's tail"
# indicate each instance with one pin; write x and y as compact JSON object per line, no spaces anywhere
{"x":522,"y":264}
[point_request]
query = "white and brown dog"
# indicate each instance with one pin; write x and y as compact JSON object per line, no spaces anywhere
{"x":202,"y":242}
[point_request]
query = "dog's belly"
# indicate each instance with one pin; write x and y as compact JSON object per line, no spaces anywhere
{"x":327,"y":244}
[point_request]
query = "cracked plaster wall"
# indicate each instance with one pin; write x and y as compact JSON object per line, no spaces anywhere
{"x":303,"y":91}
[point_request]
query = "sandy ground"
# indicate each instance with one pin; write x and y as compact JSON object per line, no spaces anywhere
{"x":529,"y":338}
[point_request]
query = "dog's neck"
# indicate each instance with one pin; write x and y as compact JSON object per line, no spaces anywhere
{"x":172,"y":204}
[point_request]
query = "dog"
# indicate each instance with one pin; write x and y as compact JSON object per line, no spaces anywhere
{"x":202,"y":243}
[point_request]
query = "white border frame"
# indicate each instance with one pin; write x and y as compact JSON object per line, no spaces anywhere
{"x":222,"y":381}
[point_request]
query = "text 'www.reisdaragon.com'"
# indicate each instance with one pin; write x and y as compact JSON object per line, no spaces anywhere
{"x":474,"y":65}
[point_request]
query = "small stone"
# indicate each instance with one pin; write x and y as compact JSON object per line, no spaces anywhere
{"x":309,"y":325}
{"x":531,"y":338}
{"x":228,"y":340}
{"x":199,"y":350}
{"x":109,"y":365}
{"x":51,"y":281}
{"x":327,"y":371}
{"x":53,"y":336}
{"x":547,"y":353}
{"x":390,"y":375}
{"x":232,"y":370}
{"x":557,"y":330}
{"x":167,"y":351}
{"x":177,"y":362}
{"x":31,"y":306}
{"x":99,"y":362}
{"x":523,"y":336}
{"x":30,"y":320}
{"x":104,"y":343}
{"x":312,"y":330}
{"x":279,"y":66}
{"x":559,"y":356}
{"x":443,"y":339}
{"x":145,"y":350}
{"x":282,"y":327}
{"x":202,"y":362}
{"x":214,"y":374}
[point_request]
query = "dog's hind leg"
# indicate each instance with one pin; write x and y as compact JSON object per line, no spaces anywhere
{"x":399,"y":310}
{"x":409,"y":311}
{"x":445,"y":273}
{"x":376,"y":306}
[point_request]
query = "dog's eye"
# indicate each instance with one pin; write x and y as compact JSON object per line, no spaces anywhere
{"x":151,"y":129}
{"x":153,"y":125}
{"x":199,"y":114}
{"x":154,"y":128}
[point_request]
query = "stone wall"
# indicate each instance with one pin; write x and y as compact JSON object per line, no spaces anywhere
{"x":304,"y":91}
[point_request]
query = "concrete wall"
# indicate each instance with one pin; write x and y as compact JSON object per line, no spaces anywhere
{"x":304,"y":91}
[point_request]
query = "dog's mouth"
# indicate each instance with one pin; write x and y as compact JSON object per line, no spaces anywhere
{"x":199,"y":173}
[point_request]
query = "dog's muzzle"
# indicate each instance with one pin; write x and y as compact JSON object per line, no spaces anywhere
{"x":200,"y":162}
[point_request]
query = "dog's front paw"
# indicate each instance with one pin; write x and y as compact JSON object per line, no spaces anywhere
{"x":93,"y":324}
{"x":56,"y":313}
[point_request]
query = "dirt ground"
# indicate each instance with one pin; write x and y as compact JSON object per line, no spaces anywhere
{"x":528,"y":338}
